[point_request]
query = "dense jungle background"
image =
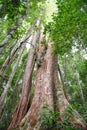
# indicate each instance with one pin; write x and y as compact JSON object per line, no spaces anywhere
{"x":43,"y":64}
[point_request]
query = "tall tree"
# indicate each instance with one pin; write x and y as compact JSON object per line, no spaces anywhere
{"x":26,"y":88}
{"x":2,"y":98}
{"x":46,"y":83}
{"x":42,"y":63}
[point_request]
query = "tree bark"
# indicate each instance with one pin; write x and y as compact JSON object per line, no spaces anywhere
{"x":48,"y":91}
{"x":63,"y":105}
{"x":2,"y":98}
{"x":12,"y":99}
{"x":12,"y":55}
{"x":62,"y":83}
{"x":43,"y":91}
{"x":26,"y":87}
{"x":13,"y":30}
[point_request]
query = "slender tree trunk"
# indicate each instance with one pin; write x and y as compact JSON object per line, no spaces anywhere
{"x":16,"y":89}
{"x":18,"y":46}
{"x":2,"y":98}
{"x":62,"y":83}
{"x":26,"y":87}
{"x":80,"y":88}
{"x":63,"y":105}
{"x":13,"y":54}
{"x":13,"y":30}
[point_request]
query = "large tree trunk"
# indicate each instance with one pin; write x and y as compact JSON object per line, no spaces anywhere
{"x":2,"y":98}
{"x":46,"y":87}
{"x":48,"y":91}
{"x":26,"y":88}
{"x":43,"y":90}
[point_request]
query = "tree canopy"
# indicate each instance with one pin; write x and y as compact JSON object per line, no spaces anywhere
{"x":27,"y":30}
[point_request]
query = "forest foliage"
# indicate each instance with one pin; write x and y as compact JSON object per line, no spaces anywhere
{"x":66,"y":26}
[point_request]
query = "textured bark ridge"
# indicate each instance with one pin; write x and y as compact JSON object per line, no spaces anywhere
{"x":26,"y":87}
{"x":43,"y":92}
{"x":45,"y":85}
{"x":48,"y":91}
